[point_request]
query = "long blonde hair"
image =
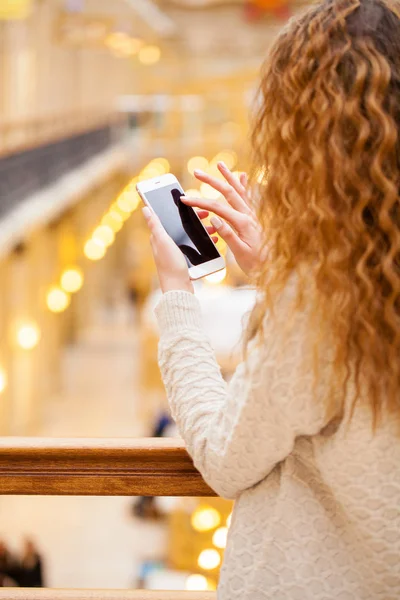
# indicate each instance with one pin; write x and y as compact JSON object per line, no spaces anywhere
{"x":326,"y":142}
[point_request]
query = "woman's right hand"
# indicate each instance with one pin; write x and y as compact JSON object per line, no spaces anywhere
{"x":235,"y":221}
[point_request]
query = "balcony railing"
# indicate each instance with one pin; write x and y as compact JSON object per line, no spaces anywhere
{"x":98,"y":467}
{"x":36,"y":153}
{"x":50,"y":594}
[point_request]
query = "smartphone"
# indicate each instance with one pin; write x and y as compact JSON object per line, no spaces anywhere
{"x":162,"y":195}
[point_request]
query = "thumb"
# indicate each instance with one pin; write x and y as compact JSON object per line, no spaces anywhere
{"x":226,"y":232}
{"x":153,"y":222}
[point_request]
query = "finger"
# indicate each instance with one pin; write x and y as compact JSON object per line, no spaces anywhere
{"x":224,"y":188}
{"x":236,"y":184}
{"x":210,"y":230}
{"x":156,"y":229}
{"x":226,"y":212}
{"x":215,"y":239}
{"x":203,"y":214}
{"x":231,"y":238}
{"x":244,"y":180}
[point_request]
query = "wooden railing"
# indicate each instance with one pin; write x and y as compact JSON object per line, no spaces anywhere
{"x":50,"y":594}
{"x":98,"y":467}
{"x":26,"y":134}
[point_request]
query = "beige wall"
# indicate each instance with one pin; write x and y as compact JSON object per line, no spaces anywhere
{"x":39,"y":75}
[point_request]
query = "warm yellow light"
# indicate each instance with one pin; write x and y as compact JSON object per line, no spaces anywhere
{"x":193,"y":193}
{"x":220,"y":536}
{"x":28,"y":336}
{"x":57,"y":300}
{"x":196,"y":583}
{"x":94,"y":250}
{"x":209,"y":192}
{"x":3,"y":381}
{"x":163,"y":162}
{"x":229,"y":157}
{"x":122,"y":45}
{"x":150,"y":172}
{"x":156,"y":167}
{"x":205,"y":519}
{"x":229,"y":521}
{"x":103,"y":235}
{"x":112,"y":220}
{"x":209,"y":559}
{"x":72,"y":280}
{"x":197,"y":162}
{"x":123,"y":214}
{"x":128,"y":201}
{"x":216,"y":277}
{"x":149,"y":55}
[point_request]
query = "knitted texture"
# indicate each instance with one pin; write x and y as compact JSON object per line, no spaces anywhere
{"x":317,"y":512}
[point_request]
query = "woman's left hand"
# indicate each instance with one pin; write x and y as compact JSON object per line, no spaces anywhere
{"x":171,"y":264}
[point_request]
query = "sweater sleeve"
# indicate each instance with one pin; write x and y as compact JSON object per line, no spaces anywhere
{"x":236,"y":433}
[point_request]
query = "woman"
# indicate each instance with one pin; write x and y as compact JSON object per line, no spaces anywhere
{"x":306,"y":437}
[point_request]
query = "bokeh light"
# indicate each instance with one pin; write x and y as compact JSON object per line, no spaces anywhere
{"x":163,"y":162}
{"x":229,"y":521}
{"x":72,"y":280}
{"x":220,"y":537}
{"x":209,"y":559}
{"x":128,"y":201}
{"x":197,"y":162}
{"x":57,"y":300}
{"x":113,"y":220}
{"x":229,"y":157}
{"x":196,"y":583}
{"x":104,"y":235}
{"x":149,"y":55}
{"x":123,"y":214}
{"x":209,"y":192}
{"x":28,"y":335}
{"x":94,"y":250}
{"x":205,"y":519}
{"x":3,"y":380}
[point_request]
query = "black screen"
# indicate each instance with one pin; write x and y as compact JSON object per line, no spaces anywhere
{"x":182,"y":224}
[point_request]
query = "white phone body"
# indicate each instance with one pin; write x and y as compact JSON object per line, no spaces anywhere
{"x":157,"y":183}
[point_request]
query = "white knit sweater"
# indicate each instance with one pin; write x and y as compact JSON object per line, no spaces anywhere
{"x":317,"y":512}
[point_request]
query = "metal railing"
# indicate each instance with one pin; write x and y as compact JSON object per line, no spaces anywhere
{"x":35,"y":154}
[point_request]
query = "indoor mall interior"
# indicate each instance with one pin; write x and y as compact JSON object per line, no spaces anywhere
{"x":96,"y":96}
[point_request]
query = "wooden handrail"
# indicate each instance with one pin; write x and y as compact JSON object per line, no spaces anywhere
{"x":53,"y":594}
{"x":98,"y":467}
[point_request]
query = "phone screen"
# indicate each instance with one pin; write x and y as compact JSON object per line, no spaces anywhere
{"x":182,"y":224}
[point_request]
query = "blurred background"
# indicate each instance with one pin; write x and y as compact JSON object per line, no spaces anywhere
{"x":95,"y":96}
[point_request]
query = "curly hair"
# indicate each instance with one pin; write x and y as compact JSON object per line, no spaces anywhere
{"x":327,"y":152}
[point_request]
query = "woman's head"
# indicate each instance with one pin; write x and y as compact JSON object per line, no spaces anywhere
{"x":327,"y":151}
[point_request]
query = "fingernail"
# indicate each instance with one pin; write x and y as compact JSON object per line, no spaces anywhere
{"x":199,"y":172}
{"x":216,"y":222}
{"x":222,"y":165}
{"x":146,"y":212}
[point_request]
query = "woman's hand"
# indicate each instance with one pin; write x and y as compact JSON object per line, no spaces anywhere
{"x":171,"y":264}
{"x":235,"y":221}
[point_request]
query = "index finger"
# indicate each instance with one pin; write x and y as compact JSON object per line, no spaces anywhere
{"x":224,"y":187}
{"x":223,"y":210}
